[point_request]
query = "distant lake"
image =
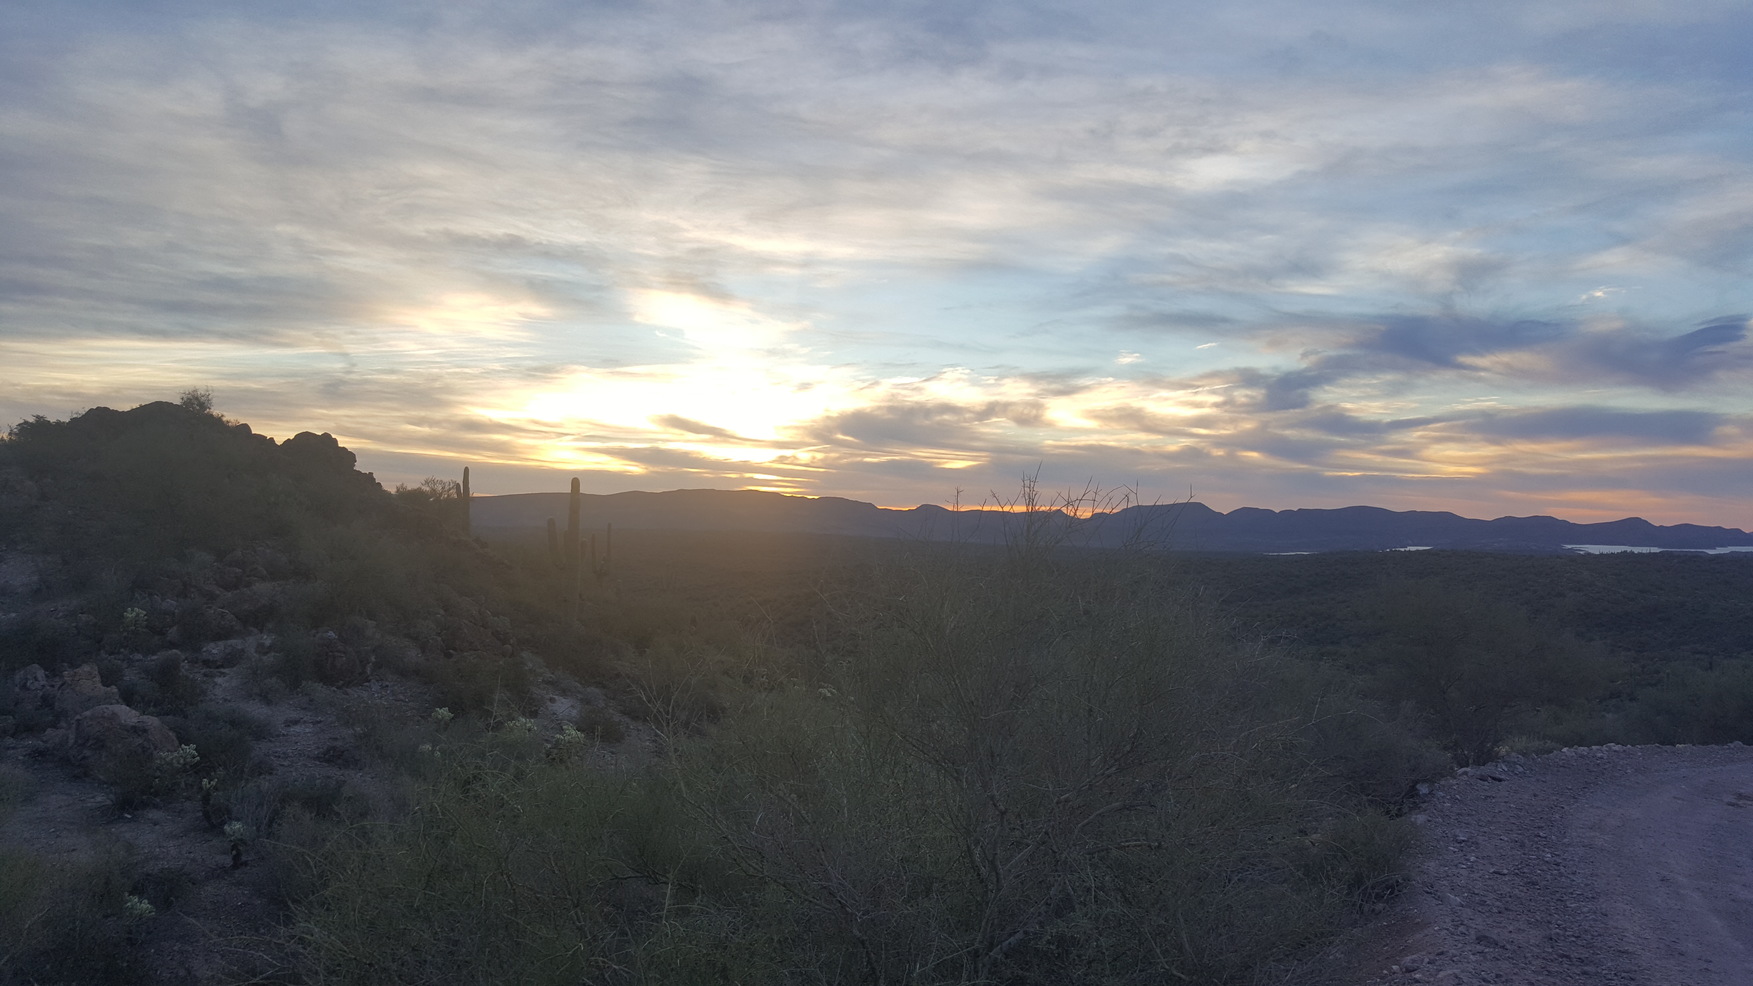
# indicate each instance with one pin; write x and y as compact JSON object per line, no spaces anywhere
{"x":1611,"y":549}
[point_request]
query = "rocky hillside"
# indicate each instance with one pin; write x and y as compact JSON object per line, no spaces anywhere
{"x":208,"y":639}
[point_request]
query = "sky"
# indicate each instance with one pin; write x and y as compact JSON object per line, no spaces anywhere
{"x":1488,"y":257}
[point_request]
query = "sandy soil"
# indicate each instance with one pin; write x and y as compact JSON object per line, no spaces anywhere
{"x":1607,"y":865}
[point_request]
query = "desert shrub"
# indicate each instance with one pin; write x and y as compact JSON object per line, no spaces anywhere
{"x":1363,"y":852}
{"x":293,"y":660}
{"x":261,"y":805}
{"x":1364,"y":747}
{"x":586,"y":654}
{"x":502,"y":874}
{"x":1478,"y":668}
{"x":479,"y":683}
{"x":141,"y":780}
{"x":677,"y":683}
{"x":1054,"y":772}
{"x":600,"y":725}
{"x":166,"y":688}
{"x":197,"y":621}
{"x":1698,"y":705}
{"x":323,"y":796}
{"x":66,"y":921}
{"x":225,"y":737}
{"x":642,"y":621}
{"x":47,"y":640}
{"x":1043,"y":770}
{"x":366,"y":572}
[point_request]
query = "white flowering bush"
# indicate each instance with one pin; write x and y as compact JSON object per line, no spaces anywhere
{"x":568,"y":745}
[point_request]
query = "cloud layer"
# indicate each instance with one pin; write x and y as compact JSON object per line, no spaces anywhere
{"x":1491,"y":258}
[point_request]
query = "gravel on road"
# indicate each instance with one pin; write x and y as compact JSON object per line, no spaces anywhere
{"x":1599,"y":865}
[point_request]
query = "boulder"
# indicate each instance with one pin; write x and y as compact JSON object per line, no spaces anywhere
{"x":114,"y":742}
{"x":83,"y":688}
{"x":231,"y":653}
{"x":30,"y":680}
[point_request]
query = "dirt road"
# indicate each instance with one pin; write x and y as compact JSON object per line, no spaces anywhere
{"x":1626,"y":865}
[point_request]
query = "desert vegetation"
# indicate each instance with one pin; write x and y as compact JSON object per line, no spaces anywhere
{"x":740,"y":758}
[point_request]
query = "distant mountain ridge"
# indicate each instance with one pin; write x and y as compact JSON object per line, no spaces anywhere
{"x":1188,"y":526}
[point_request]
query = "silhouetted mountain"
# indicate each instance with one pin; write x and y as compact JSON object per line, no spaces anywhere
{"x":1189,"y":526}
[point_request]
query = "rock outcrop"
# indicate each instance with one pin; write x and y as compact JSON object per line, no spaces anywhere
{"x":82,"y":688}
{"x":114,"y":741}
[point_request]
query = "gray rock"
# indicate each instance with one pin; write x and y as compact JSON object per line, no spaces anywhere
{"x":83,"y":688}
{"x":30,"y":678}
{"x":231,"y":653}
{"x":114,"y":742}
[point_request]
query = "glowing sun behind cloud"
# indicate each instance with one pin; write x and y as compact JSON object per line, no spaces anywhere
{"x":731,"y":412}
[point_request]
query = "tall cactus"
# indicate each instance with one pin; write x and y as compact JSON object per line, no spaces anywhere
{"x":572,"y":509}
{"x":468,"y":518}
{"x":574,"y":562}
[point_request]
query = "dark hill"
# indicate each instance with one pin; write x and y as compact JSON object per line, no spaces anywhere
{"x":162,"y":478}
{"x":1190,"y":526}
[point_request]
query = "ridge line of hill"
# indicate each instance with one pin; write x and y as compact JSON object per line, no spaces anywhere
{"x":1186,"y":525}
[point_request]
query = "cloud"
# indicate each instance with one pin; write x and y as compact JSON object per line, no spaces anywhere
{"x":1666,"y":363}
{"x":676,"y":422}
{"x":925,"y":424}
{"x":892,"y":246}
{"x":1443,"y":340}
{"x":1664,"y":428}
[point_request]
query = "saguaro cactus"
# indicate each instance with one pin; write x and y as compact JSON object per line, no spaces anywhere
{"x":574,"y":563}
{"x":572,"y":508}
{"x":468,"y":518}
